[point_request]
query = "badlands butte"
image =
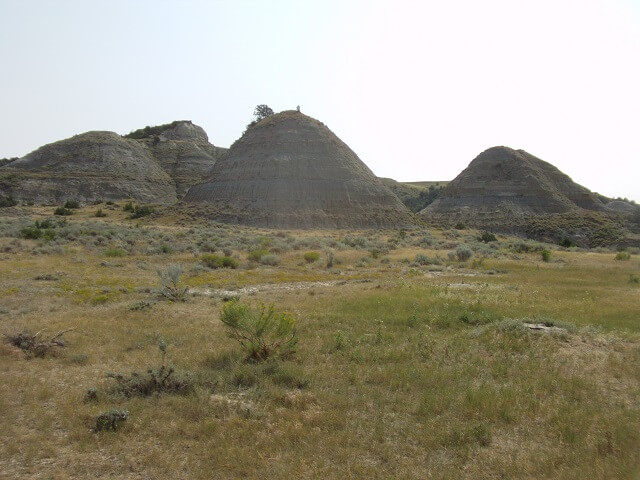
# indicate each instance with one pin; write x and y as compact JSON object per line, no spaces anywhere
{"x":289,"y":170}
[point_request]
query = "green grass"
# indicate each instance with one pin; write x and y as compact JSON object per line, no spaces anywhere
{"x":400,"y":372}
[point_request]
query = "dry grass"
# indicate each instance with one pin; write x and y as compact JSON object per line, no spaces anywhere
{"x":417,"y":373}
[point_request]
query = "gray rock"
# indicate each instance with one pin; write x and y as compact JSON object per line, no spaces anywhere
{"x":290,"y":171}
{"x":88,"y":167}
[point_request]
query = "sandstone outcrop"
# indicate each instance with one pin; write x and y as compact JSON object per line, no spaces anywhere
{"x":290,"y":171}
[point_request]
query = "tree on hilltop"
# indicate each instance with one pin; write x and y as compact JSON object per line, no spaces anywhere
{"x":262,"y":111}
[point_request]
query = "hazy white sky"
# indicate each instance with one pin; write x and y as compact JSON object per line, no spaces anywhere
{"x":416,"y":88}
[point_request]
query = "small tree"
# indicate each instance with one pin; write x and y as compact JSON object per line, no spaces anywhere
{"x":262,"y":111}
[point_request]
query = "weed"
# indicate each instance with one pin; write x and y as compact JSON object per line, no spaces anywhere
{"x":633,"y":278}
{"x":34,"y":345}
{"x":546,"y":255}
{"x":99,"y":213}
{"x":154,"y":381}
{"x":111,"y":420}
{"x":171,"y":288}
{"x":72,"y":204}
{"x":261,"y":333}
{"x":128,"y":207}
{"x":140,"y":306}
{"x":91,"y":395}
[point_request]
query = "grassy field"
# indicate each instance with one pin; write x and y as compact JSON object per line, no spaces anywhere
{"x":411,"y":363}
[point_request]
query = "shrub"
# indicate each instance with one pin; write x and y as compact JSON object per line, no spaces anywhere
{"x":216,"y":261}
{"x":72,"y":204}
{"x":422,"y":259}
{"x":170,"y":281}
{"x":256,"y":255}
{"x":128,"y":207}
{"x":463,"y":253}
{"x":487,"y":237}
{"x":99,"y":213}
{"x":115,"y":252}
{"x":270,"y":259}
{"x":623,"y":256}
{"x":546,"y":255}
{"x":31,"y":233}
{"x":111,"y":420}
{"x":261,"y":333}
{"x":139,"y":211}
{"x":154,"y":381}
{"x":567,"y":242}
{"x":63,"y":211}
{"x":34,"y":345}
{"x":311,"y":257}
{"x":330,"y":259}
{"x":460,"y":226}
{"x":7,"y":201}
{"x":633,"y":278}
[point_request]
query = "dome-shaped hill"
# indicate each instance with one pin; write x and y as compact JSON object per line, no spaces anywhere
{"x":290,"y":171}
{"x":183,"y":150}
{"x":88,"y":167}
{"x":504,"y":181}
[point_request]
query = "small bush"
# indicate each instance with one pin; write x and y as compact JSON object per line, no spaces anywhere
{"x":31,"y":233}
{"x":7,"y":201}
{"x":63,"y":211}
{"x":72,"y":204}
{"x":34,"y":345}
{"x":460,"y":226}
{"x":487,"y":237}
{"x":172,"y":289}
{"x":633,"y":278}
{"x":128,"y":207}
{"x":270,"y":259}
{"x":100,"y":214}
{"x":111,"y":420}
{"x":256,"y":255}
{"x":154,"y":381}
{"x":546,"y":255}
{"x":330,"y":259}
{"x":261,"y":333}
{"x":216,"y":261}
{"x":143,"y":211}
{"x":115,"y":252}
{"x":463,"y":253}
{"x":567,"y":243}
{"x":311,"y":257}
{"x":623,"y":256}
{"x":422,"y":259}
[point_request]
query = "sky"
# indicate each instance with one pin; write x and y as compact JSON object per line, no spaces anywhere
{"x":416,"y":88}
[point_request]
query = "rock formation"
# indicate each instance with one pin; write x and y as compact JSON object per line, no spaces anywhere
{"x":511,"y":191}
{"x":88,"y":167}
{"x":505,"y":181}
{"x":151,"y":165}
{"x":183,"y":150}
{"x":291,"y":171}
